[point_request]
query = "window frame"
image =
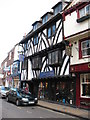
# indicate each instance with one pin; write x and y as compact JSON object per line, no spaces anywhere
{"x":36,"y":63}
{"x":35,"y":40}
{"x":83,"y":82}
{"x":57,"y":9}
{"x":52,"y":60}
{"x":51,"y":30}
{"x":85,"y":16}
{"x":44,"y":19}
{"x":81,"y":49}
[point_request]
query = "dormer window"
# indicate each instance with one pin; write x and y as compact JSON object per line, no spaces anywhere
{"x":36,"y":24}
{"x":45,"y":18}
{"x":57,"y":8}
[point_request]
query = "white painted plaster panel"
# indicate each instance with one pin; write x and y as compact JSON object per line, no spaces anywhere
{"x":71,"y":26}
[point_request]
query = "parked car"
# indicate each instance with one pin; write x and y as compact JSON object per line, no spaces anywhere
{"x":0,"y":89}
{"x":4,"y":91}
{"x":20,"y":97}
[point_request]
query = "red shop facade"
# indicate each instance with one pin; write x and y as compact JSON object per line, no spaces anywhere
{"x":82,"y":73}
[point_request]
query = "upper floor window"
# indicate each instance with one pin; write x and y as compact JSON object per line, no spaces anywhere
{"x":25,"y":64}
{"x":25,"y":46}
{"x":51,"y":31}
{"x":57,"y":9}
{"x":84,"y":11}
{"x":54,"y":57}
{"x":85,"y":48}
{"x":45,"y":18}
{"x":35,"y":40}
{"x":36,"y":63}
{"x":85,"y":85}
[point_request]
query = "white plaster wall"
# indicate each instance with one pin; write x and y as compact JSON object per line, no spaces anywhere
{"x":30,"y":73}
{"x":75,"y":53}
{"x":71,"y":26}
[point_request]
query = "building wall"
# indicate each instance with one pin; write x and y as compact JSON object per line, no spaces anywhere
{"x":71,"y":26}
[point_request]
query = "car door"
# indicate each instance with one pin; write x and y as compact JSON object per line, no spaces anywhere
{"x":10,"y":95}
{"x":14,"y":96}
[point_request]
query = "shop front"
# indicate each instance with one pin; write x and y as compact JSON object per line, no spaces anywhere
{"x":82,"y":72}
{"x":58,"y":89}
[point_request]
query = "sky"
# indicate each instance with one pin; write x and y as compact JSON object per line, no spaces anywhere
{"x":16,"y":19}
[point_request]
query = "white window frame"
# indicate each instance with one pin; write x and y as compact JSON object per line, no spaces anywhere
{"x":84,"y":10}
{"x":82,"y":82}
{"x":86,"y":48}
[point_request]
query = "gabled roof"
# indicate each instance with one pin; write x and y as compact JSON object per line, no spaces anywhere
{"x":36,"y":22}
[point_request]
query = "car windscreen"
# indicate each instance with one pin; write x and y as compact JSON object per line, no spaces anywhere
{"x":24,"y":94}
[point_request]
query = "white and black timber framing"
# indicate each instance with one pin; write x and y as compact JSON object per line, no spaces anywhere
{"x":45,"y":45}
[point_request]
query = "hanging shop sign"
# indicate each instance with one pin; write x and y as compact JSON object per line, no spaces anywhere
{"x":46,"y":74}
{"x":16,"y":68}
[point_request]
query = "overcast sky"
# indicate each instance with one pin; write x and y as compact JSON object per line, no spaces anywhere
{"x":16,"y":19}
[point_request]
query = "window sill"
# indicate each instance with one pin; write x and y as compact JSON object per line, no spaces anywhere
{"x":83,"y":18}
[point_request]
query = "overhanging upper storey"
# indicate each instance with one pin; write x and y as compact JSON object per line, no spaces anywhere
{"x":41,"y":28}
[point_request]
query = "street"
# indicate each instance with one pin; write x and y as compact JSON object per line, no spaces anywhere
{"x":10,"y":110}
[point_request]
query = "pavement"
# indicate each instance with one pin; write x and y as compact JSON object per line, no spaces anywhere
{"x":74,"y":111}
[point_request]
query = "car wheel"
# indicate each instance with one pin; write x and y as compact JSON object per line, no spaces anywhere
{"x":17,"y":102}
{"x":7,"y":99}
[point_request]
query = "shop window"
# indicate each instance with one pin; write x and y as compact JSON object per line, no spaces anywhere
{"x":36,"y":63}
{"x":65,"y":92}
{"x":85,"y":85}
{"x":84,"y":49}
{"x":83,"y":13}
{"x":35,"y":40}
{"x":54,"y":57}
{"x":51,"y":31}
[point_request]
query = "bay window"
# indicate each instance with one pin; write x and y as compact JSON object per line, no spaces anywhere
{"x":36,"y":63}
{"x":54,"y":57}
{"x":85,"y":85}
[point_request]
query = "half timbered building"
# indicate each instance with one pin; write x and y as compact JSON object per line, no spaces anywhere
{"x":46,"y":65}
